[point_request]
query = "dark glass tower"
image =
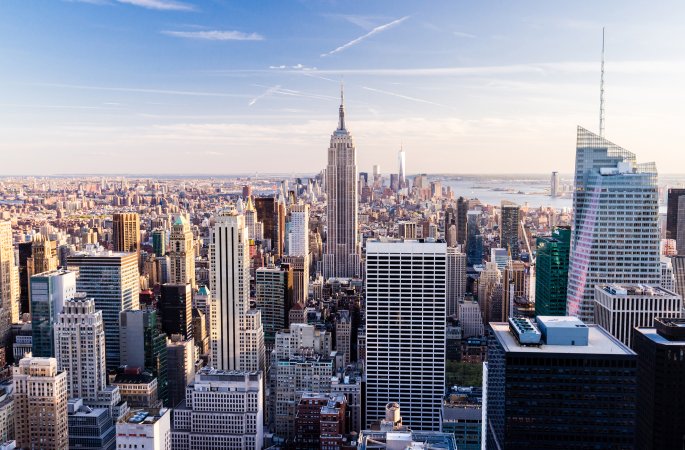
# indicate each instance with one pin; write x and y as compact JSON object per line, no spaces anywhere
{"x":474,"y":240}
{"x":462,"y":210}
{"x":570,"y":387}
{"x":661,"y":391}
{"x":672,"y":213}
{"x":551,"y":267}
{"x":509,"y":229}
{"x":175,"y":310}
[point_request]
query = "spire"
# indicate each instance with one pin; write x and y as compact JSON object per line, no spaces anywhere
{"x":601,"y":92}
{"x":341,"y":120}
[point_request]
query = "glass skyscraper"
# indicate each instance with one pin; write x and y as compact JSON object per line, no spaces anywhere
{"x":551,"y":270}
{"x":474,"y":240}
{"x":615,"y":237}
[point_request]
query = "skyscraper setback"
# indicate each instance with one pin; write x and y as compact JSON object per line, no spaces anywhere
{"x":615,"y":237}
{"x":342,"y":242}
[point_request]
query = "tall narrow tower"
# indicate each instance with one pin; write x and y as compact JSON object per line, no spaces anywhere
{"x":402,"y":161}
{"x":182,"y":252}
{"x":342,"y":242}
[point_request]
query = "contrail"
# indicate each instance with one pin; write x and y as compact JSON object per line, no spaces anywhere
{"x":376,"y":30}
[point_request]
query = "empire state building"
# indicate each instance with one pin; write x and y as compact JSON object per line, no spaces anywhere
{"x":342,"y":242}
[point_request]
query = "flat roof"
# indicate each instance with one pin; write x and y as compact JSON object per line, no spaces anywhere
{"x":561,"y":321}
{"x":600,"y":342}
{"x":651,"y":333}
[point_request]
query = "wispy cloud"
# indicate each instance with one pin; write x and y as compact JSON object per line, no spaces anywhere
{"x":463,"y":34}
{"x":141,"y":90}
{"x":405,"y":97}
{"x":162,"y":5}
{"x":269,"y":91}
{"x":295,"y":67}
{"x":216,"y":35}
{"x":376,"y":30}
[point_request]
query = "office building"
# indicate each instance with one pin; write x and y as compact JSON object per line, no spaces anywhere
{"x":40,"y":404}
{"x":126,"y":232}
{"x":462,"y":416}
{"x":406,"y":230}
{"x":237,"y":340}
{"x":222,"y":409}
{"x":255,"y":228}
{"x":176,"y":310}
{"x":274,"y":296}
{"x":298,"y":237}
{"x":661,"y":392}
{"x":474,"y":239}
{"x":674,"y":214}
{"x":159,"y":242}
{"x":112,"y":280}
{"x":462,"y":220}
{"x":320,"y":421}
{"x":514,"y":285}
{"x":299,"y":266}
{"x":678,"y":263}
{"x":470,"y":318}
{"x":615,"y":236}
{"x":349,"y":383}
{"x":143,"y":344}
{"x":500,"y":256}
{"x":145,"y":428}
{"x":554,"y":185}
{"x":341,"y":258}
{"x":9,"y":283}
{"x":267,"y":215}
{"x":667,"y":276}
{"x":343,"y":335}
{"x":402,"y":157}
{"x":456,"y":279}
{"x":621,"y":308}
{"x":450,"y":227}
{"x":181,"y":367}
{"x":137,"y":387}
{"x":558,"y":384}
{"x":181,"y":252}
{"x":80,"y":348}
{"x":43,"y":256}
{"x":551,"y":272}
{"x":406,"y":309}
{"x":49,"y":292}
{"x":6,"y":411}
{"x":510,"y":218}
{"x":90,"y":428}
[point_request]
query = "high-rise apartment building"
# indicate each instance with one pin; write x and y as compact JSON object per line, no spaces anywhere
{"x":49,"y":292}
{"x":237,"y":341}
{"x":222,"y":409}
{"x":80,"y":348}
{"x":176,"y":310}
{"x":40,"y":405}
{"x":126,"y":232}
{"x":615,"y":237}
{"x":510,"y":216}
{"x":621,"y":308}
{"x":558,"y":384}
{"x":406,"y":309}
{"x":551,"y":272}
{"x":341,"y":258}
{"x":181,"y":252}
{"x":456,"y":279}
{"x":112,"y":280}
{"x":661,"y":392}
{"x":9,"y":283}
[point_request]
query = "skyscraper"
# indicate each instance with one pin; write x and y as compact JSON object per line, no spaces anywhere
{"x":661,"y":392}
{"x":456,"y":279}
{"x":405,"y":329}
{"x":80,"y":348}
{"x":43,"y":256}
{"x":510,"y":217}
{"x":551,"y":272}
{"x":298,"y":251}
{"x":402,"y":161}
{"x":49,"y":292}
{"x":474,"y":240}
{"x":462,"y":212}
{"x":112,"y":280}
{"x":266,"y":214}
{"x":554,"y":185}
{"x":558,"y":384}
{"x":159,"y":242}
{"x":342,"y":242}
{"x":126,"y":232}
{"x":175,"y":310}
{"x":9,"y":282}
{"x":615,"y":236}
{"x":181,"y":252}
{"x":674,"y":208}
{"x":40,"y":405}
{"x":274,"y":286}
{"x":237,"y":336}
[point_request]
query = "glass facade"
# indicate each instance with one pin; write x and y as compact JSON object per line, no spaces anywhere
{"x":551,"y":271}
{"x":474,"y":240}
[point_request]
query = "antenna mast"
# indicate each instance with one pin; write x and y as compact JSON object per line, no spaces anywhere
{"x":601,"y":93}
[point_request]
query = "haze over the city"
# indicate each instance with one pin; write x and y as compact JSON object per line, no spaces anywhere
{"x":103,"y":86}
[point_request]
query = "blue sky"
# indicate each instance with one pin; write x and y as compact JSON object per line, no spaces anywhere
{"x":189,"y":86}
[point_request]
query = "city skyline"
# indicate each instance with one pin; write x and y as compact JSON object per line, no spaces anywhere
{"x":207,"y":81}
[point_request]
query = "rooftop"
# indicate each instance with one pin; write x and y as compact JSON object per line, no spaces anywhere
{"x":146,"y":416}
{"x":407,"y":440}
{"x":634,"y":290}
{"x":600,"y":342}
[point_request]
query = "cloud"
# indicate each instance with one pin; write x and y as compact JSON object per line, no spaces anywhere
{"x":405,"y":97}
{"x":376,"y":30}
{"x":141,"y":90}
{"x":295,"y":67}
{"x":162,"y":5}
{"x":269,"y":91}
{"x":462,"y":34}
{"x":216,"y":35}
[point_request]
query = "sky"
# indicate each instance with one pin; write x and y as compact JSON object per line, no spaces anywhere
{"x":227,"y":87}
